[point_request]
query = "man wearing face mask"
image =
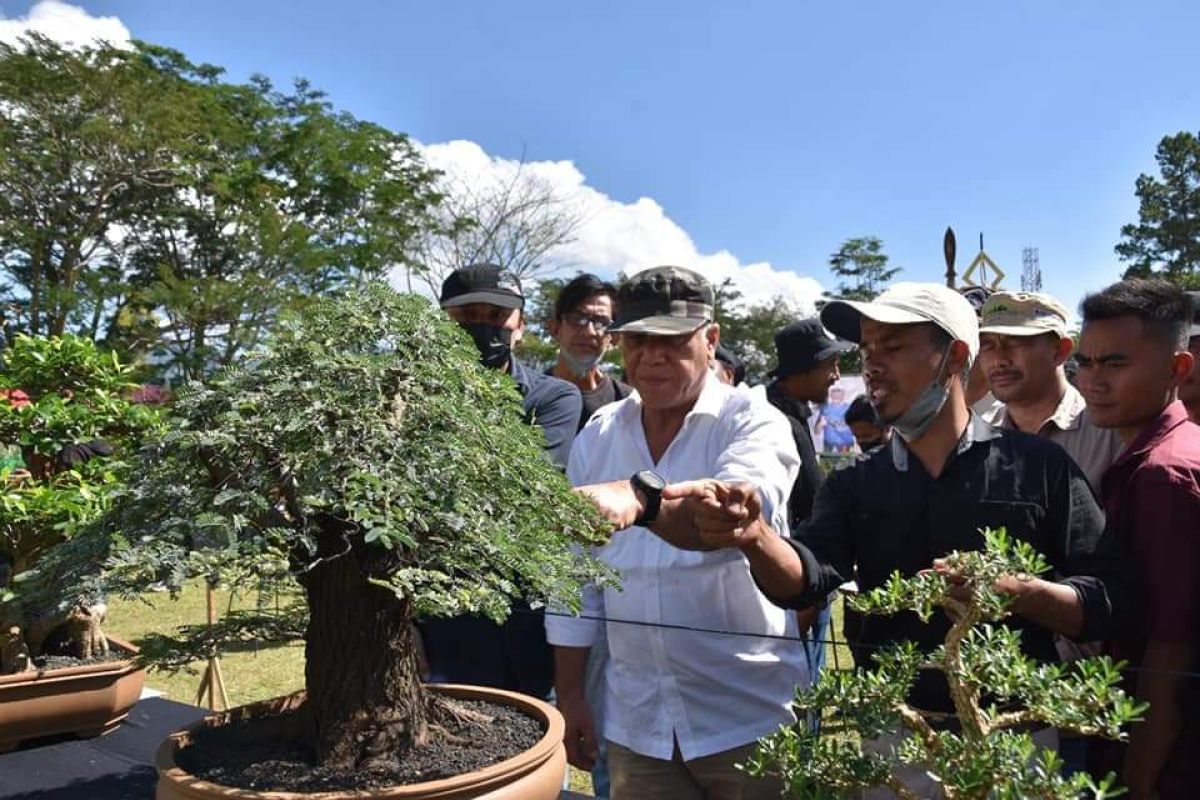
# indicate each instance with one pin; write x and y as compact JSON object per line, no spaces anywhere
{"x":945,"y":475}
{"x":487,"y":302}
{"x":583,"y":313}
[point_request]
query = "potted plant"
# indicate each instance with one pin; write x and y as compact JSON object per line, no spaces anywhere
{"x":999,"y":694}
{"x":366,"y":466}
{"x":66,"y":412}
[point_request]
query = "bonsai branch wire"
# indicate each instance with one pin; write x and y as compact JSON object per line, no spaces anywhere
{"x":1009,"y":720}
{"x":912,"y":719}
{"x":965,"y":697}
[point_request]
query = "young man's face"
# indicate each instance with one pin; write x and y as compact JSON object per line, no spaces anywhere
{"x":669,"y":371}
{"x":867,"y":434}
{"x":813,"y":385}
{"x":1022,"y":369}
{"x":1127,"y":373}
{"x":899,"y":363}
{"x":582,"y":331}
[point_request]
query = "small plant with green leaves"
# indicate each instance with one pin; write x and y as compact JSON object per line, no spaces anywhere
{"x":73,"y":435}
{"x":999,"y":696}
{"x":364,"y":463}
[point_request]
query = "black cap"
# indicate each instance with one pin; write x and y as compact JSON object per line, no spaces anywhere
{"x":731,"y":360}
{"x":482,"y":283}
{"x":804,"y":344}
{"x":1195,"y":329}
{"x":664,"y":301}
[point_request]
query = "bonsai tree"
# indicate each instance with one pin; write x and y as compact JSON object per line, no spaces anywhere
{"x":72,"y":427}
{"x":998,"y":692}
{"x":364,"y":459}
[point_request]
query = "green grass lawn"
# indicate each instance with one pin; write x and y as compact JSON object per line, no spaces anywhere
{"x":254,"y":673}
{"x":260,"y":673}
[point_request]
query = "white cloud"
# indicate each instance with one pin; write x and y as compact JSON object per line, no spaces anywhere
{"x":63,"y":23}
{"x":615,"y":236}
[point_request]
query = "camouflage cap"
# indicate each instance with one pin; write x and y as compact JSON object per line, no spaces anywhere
{"x":1023,"y":314}
{"x":663,"y":301}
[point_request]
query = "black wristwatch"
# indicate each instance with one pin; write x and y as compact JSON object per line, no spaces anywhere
{"x":650,"y":484}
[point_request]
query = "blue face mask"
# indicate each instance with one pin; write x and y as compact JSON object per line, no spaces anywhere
{"x":579,"y":367}
{"x":917,"y":418}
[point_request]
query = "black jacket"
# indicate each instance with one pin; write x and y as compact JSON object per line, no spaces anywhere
{"x":809,"y":479}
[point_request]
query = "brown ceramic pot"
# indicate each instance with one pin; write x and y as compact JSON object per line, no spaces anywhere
{"x":536,"y":774}
{"x":88,"y":700}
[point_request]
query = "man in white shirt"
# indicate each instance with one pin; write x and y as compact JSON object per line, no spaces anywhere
{"x":682,"y":706}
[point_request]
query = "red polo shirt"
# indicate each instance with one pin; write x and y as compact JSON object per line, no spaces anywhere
{"x":1151,"y":494}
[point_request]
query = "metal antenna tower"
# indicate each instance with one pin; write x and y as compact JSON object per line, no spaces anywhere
{"x":1031,"y":274}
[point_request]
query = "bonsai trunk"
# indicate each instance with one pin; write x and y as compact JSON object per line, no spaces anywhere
{"x":366,"y":702}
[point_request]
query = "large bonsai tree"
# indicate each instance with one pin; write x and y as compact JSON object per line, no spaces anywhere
{"x":366,"y":458}
{"x":999,"y":694}
{"x":73,"y":427}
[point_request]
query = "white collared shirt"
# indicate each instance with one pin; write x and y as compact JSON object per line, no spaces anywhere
{"x":708,"y":691}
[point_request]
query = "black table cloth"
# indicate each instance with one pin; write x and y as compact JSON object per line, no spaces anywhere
{"x":113,"y":767}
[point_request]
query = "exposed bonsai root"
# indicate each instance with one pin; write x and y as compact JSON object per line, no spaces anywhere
{"x":447,"y":709}
{"x":81,"y":625}
{"x":14,"y":655}
{"x":381,"y":739}
{"x":447,"y":712}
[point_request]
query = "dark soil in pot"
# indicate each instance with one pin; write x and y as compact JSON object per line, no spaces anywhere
{"x":230,"y":756}
{"x":62,"y":662}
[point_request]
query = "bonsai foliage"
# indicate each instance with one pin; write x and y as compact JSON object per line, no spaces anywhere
{"x":999,"y":694}
{"x":364,"y":457}
{"x":72,"y":433}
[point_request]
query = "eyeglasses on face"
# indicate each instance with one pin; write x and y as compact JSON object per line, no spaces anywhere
{"x":577,"y":320}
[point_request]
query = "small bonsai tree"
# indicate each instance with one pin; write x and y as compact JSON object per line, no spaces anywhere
{"x":998,"y":693}
{"x":366,"y":458}
{"x":73,"y":433}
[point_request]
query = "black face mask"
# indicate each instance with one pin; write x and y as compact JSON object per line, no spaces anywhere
{"x":867,"y":447}
{"x":493,"y":342}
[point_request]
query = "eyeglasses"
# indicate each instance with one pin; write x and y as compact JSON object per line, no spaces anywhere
{"x":577,"y":320}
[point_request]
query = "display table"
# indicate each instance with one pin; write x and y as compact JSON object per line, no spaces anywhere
{"x":119,"y":766}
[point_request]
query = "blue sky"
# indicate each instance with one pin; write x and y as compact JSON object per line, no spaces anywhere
{"x":771,"y":130}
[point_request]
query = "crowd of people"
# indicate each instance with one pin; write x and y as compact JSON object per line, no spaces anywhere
{"x":724,"y":520}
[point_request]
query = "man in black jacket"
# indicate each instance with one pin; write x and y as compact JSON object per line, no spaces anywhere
{"x":807,"y":368}
{"x":945,"y":475}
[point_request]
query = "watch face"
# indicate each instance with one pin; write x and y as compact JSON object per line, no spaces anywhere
{"x":652,"y":479}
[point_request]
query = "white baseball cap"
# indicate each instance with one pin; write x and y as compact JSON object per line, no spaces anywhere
{"x":907,"y":303}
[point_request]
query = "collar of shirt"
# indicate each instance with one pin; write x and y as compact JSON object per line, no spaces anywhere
{"x":1153,"y":434}
{"x":978,"y":430}
{"x":1066,"y":417}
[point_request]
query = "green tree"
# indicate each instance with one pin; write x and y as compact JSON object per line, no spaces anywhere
{"x":368,"y":459}
{"x":296,"y":201}
{"x":88,"y":138}
{"x":863,"y":266}
{"x":1166,"y":238}
{"x":75,"y":436}
{"x":750,"y":333}
{"x":148,"y":204}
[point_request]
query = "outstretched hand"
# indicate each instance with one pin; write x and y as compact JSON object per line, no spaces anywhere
{"x":713,"y":514}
